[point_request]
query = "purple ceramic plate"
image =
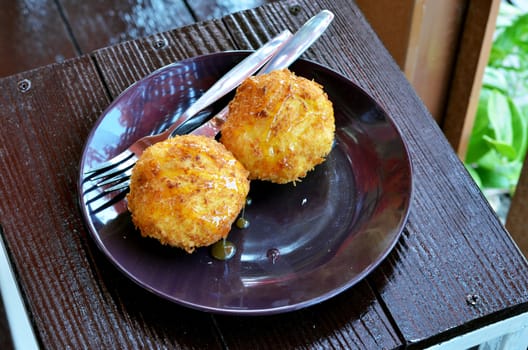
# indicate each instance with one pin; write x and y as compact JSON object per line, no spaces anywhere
{"x":306,"y":243}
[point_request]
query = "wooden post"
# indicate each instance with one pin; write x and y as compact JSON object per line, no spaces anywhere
{"x":516,"y":222}
{"x":423,"y":37}
{"x":471,"y":61}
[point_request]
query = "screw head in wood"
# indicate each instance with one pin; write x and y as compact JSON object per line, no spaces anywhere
{"x":295,"y":9}
{"x":159,"y":43}
{"x":472,"y":299}
{"x":24,"y":85}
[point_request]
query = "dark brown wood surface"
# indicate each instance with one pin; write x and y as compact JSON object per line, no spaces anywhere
{"x":36,"y":33}
{"x":78,"y":300}
{"x":454,"y":269}
{"x":114,"y":22}
{"x":31,"y":35}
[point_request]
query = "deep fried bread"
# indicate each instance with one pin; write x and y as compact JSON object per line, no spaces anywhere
{"x":187,"y":191}
{"x":279,"y":126}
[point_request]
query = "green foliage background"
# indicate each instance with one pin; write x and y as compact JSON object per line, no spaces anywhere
{"x":499,"y":140}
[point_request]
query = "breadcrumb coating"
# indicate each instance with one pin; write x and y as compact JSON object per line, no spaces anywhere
{"x":187,"y":191}
{"x":279,"y":126}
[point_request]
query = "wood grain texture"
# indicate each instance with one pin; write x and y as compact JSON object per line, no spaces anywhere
{"x":36,"y":33}
{"x":392,"y":21}
{"x":352,"y":320}
{"x":423,"y":37}
{"x":516,"y":220}
{"x":100,"y":23}
{"x":250,"y":29}
{"x":77,"y":299}
{"x":121,"y":65}
{"x":433,"y":47}
{"x":32,"y":34}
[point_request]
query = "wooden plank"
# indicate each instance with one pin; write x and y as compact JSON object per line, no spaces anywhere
{"x":77,"y":299}
{"x":249,"y":30}
{"x":453,"y":245}
{"x":452,"y":237}
{"x":352,"y":320}
{"x":32,"y":34}
{"x":96,"y":24}
{"x":471,"y":61}
{"x":516,"y":220}
{"x":460,"y":247}
{"x":124,"y":64}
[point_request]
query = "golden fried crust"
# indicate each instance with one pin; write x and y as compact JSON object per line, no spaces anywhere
{"x":279,"y":126}
{"x":187,"y":191}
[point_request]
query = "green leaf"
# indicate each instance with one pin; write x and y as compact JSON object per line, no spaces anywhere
{"x":517,"y":32}
{"x":499,"y":140}
{"x":507,"y":15}
{"x":494,"y":79}
{"x":499,"y":116}
{"x":509,"y":39}
{"x":515,"y":148}
{"x":477,"y":147}
{"x":519,"y":123}
{"x":492,"y":179}
{"x":524,"y":112}
{"x":496,"y":172}
{"x":491,"y":161}
{"x":504,"y":149}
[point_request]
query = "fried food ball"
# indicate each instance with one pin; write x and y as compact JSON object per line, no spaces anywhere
{"x":187,"y":191}
{"x":280,"y":126}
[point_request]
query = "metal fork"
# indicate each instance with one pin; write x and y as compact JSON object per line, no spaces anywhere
{"x":222,"y":87}
{"x":116,"y":172}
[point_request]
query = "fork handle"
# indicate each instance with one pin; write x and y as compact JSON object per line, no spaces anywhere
{"x":232,"y":79}
{"x":300,"y":42}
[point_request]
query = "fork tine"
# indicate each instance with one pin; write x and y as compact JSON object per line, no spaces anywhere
{"x":101,"y":193}
{"x":118,"y":178}
{"x":116,"y":170}
{"x":110,"y":162}
{"x":120,"y":186}
{"x":104,"y":201}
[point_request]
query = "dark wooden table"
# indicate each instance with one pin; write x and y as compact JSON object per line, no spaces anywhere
{"x":454,"y":270}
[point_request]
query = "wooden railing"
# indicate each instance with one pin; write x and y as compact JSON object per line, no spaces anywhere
{"x":443,"y":48}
